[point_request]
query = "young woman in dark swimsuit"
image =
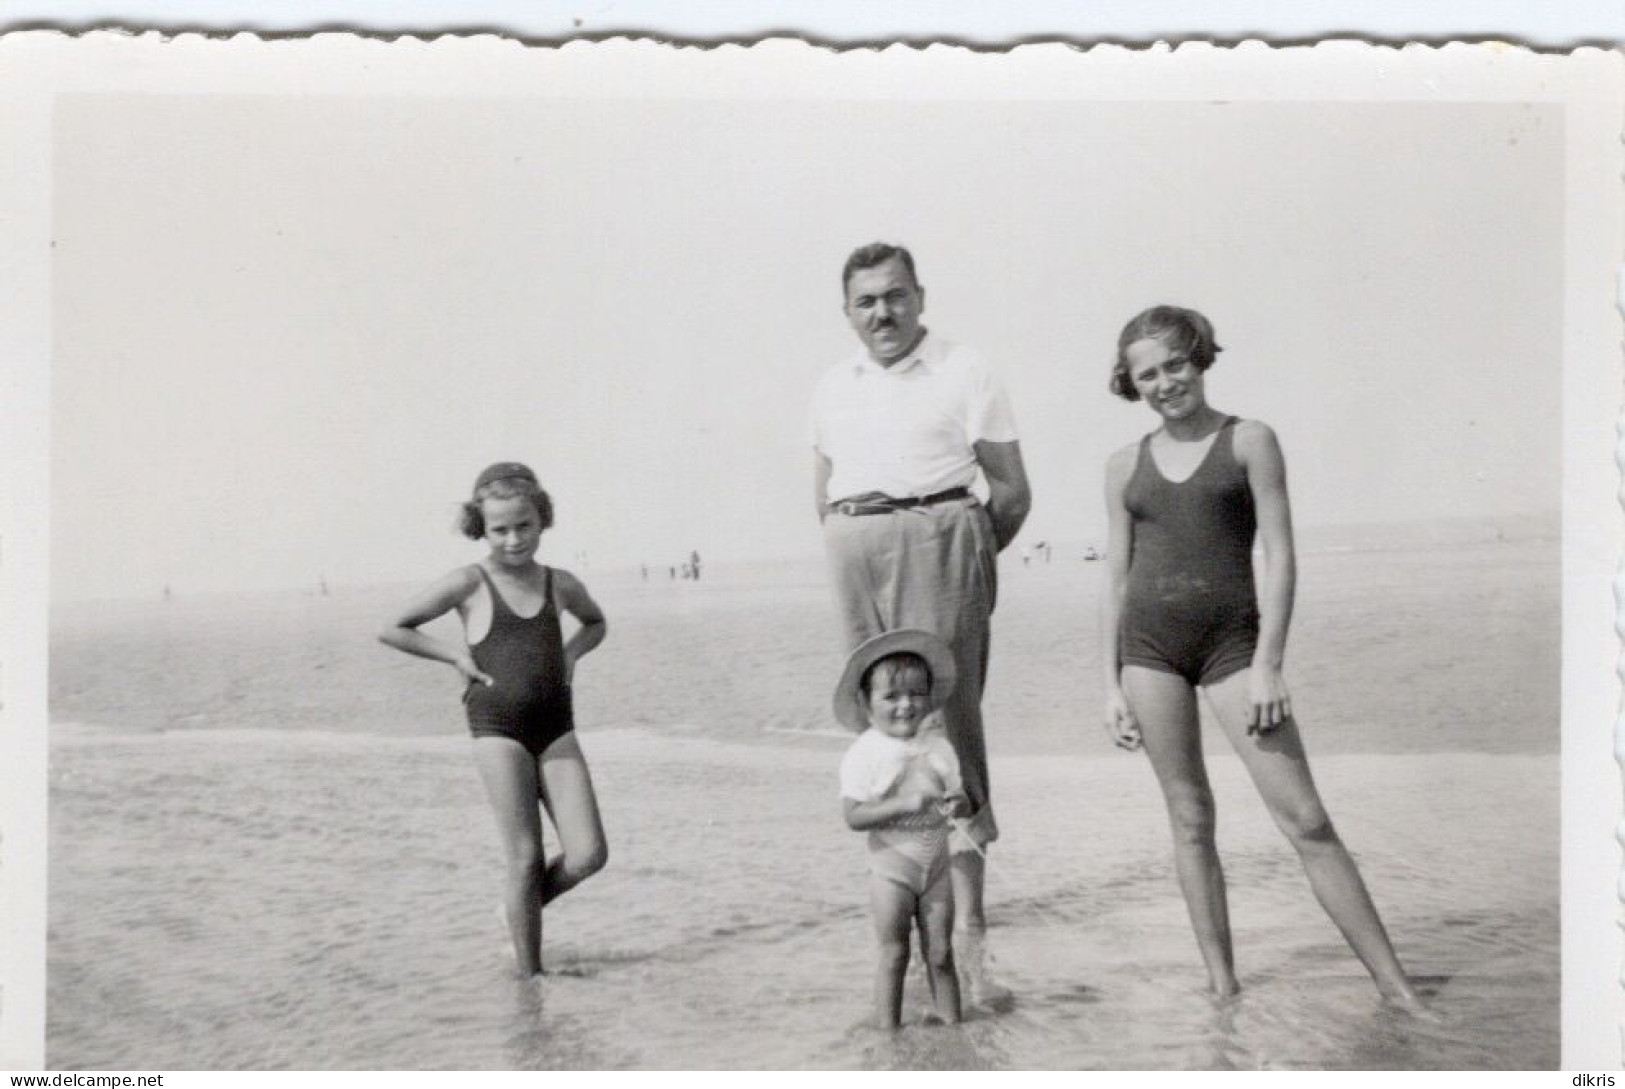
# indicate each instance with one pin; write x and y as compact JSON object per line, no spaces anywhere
{"x":517,"y":669}
{"x":1181,"y":612}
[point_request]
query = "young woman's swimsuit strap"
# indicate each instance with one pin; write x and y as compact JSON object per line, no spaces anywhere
{"x":1190,"y":607}
{"x":530,"y":701}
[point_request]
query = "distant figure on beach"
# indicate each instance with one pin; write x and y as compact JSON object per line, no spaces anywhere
{"x":694,"y":564}
{"x":900,"y":430}
{"x":900,"y":783}
{"x":1181,"y":613}
{"x":517,"y":670}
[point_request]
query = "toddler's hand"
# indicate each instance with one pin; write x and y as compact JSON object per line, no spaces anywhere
{"x":915,"y":800}
{"x":955,"y":807}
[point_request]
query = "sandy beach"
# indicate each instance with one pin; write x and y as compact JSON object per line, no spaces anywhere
{"x":269,"y":848}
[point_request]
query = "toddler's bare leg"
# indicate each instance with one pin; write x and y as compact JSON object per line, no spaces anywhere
{"x":935,"y":912}
{"x":891,"y":906}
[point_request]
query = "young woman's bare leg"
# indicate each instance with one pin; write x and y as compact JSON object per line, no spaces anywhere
{"x":1165,"y":706}
{"x":566,"y":792}
{"x":1280,"y":770}
{"x":509,"y":773}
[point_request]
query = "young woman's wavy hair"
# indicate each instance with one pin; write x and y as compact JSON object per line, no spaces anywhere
{"x":1185,"y":332}
{"x":472,"y":519}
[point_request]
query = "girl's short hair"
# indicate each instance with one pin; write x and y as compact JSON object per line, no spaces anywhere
{"x":1185,"y":332}
{"x":902,"y":661}
{"x":472,"y":519}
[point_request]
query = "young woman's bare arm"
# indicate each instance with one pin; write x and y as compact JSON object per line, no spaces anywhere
{"x":1260,"y":454}
{"x":1121,"y":726}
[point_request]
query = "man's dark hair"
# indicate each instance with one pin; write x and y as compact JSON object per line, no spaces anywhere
{"x":877,"y":253}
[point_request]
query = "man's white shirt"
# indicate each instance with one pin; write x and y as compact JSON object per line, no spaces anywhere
{"x":909,"y":429}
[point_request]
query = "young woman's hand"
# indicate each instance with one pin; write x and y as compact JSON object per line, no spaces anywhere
{"x":955,"y":807}
{"x":471,"y":672}
{"x":1121,"y":725}
{"x":1268,"y":704}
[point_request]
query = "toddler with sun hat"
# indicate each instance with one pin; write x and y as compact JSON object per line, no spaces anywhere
{"x":900,"y":782}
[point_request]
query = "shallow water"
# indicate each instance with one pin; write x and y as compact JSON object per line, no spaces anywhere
{"x":248,"y":900}
{"x":1391,"y":651}
{"x":269,"y":848}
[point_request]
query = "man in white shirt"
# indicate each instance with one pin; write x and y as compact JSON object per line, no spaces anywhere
{"x":901,"y":431}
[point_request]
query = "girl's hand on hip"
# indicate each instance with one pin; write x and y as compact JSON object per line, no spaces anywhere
{"x":471,"y":672}
{"x":1121,"y":725}
{"x":1268,"y":705}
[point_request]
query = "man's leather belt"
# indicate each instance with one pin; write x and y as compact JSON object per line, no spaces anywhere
{"x":876,"y":503}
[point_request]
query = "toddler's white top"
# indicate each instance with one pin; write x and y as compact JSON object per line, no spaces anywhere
{"x":878,"y":765}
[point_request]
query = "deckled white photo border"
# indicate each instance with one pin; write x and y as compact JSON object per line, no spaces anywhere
{"x":36,"y":68}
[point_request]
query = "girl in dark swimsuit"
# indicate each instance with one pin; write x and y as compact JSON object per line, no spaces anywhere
{"x":1181,"y":612}
{"x":517,"y":669}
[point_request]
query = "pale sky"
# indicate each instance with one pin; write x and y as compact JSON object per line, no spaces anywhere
{"x":289,"y":331}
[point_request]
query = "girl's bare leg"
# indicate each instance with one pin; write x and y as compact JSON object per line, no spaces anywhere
{"x":935,"y":913}
{"x":566,"y":792}
{"x":509,"y":773}
{"x":1166,"y":709}
{"x":891,"y":906}
{"x":1280,"y":770}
